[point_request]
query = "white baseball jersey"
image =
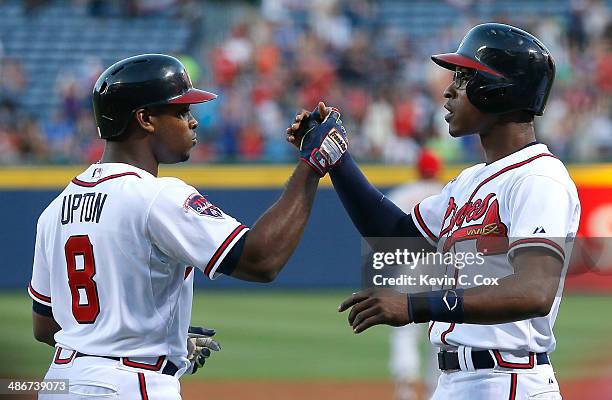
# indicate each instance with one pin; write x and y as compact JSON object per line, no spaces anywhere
{"x":114,"y":255}
{"x":527,"y":197}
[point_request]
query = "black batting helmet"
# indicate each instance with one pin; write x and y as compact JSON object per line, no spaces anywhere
{"x":137,"y":82}
{"x":513,"y":69}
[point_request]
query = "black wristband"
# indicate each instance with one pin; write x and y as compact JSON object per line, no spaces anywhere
{"x":439,"y":305}
{"x":418,"y":308}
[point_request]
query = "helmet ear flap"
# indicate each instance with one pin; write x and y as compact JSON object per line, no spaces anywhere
{"x":488,"y":97}
{"x":113,"y":121}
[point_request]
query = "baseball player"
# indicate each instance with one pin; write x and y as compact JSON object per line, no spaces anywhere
{"x":519,"y":211}
{"x":115,"y":252}
{"x":404,"y":355}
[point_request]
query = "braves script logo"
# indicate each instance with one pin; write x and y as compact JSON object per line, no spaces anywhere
{"x":491,"y":233}
{"x":198,"y":203}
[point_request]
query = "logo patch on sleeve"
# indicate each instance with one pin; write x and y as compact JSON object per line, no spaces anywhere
{"x":198,"y":203}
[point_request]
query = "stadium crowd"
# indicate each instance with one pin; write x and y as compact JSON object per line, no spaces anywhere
{"x":286,"y":55}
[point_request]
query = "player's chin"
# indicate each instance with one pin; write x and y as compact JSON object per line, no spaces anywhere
{"x":456,"y":130}
{"x":185,"y":156}
{"x":452,"y":127}
{"x":178,"y":158}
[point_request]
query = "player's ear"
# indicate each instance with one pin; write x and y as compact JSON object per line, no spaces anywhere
{"x":144,"y":119}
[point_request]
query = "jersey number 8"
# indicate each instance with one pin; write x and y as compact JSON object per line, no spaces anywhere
{"x":81,"y":270}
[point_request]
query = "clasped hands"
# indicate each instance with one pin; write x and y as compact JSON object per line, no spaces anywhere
{"x":320,"y":137}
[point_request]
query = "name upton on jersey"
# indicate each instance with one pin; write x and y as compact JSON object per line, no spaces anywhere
{"x":88,"y":205}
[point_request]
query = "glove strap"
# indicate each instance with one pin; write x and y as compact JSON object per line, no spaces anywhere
{"x":332,"y":148}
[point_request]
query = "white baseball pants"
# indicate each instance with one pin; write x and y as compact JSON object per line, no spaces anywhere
{"x":97,"y":378}
{"x":538,"y":383}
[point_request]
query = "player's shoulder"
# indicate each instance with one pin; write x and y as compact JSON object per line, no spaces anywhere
{"x":175,"y":194}
{"x":168,"y":182}
{"x":540,"y":171}
{"x":172,"y":188}
{"x":50,"y":211}
{"x":541,"y":163}
{"x":162,"y":192}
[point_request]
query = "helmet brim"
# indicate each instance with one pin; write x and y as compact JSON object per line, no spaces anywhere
{"x":453,"y":60}
{"x":193,"y":96}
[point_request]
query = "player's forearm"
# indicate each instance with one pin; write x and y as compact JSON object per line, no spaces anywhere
{"x":511,"y":301}
{"x":528,"y":293}
{"x":371,"y":212}
{"x":277,"y":232}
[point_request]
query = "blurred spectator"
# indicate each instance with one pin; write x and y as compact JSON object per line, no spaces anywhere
{"x":31,"y":6}
{"x":32,"y":145}
{"x":378,"y":125}
{"x":138,"y":8}
{"x":12,"y":80}
{"x":285,"y":55}
{"x":59,"y":132}
{"x":151,"y":7}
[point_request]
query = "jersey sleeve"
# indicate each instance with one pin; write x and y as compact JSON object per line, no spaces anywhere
{"x":543,"y":213}
{"x":184,"y":225}
{"x":428,"y":215}
{"x":39,"y":288}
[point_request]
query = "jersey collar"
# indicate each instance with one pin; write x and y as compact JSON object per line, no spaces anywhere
{"x":529,"y":150}
{"x":98,"y":171}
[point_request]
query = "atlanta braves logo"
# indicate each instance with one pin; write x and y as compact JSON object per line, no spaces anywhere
{"x":491,"y":234}
{"x":470,"y":211}
{"x":198,"y":203}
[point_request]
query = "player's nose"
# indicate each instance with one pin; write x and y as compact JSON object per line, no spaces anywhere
{"x":450,"y":91}
{"x":193,"y":123}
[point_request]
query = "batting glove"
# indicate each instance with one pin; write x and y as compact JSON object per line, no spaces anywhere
{"x":199,"y":345}
{"x":323,"y":144}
